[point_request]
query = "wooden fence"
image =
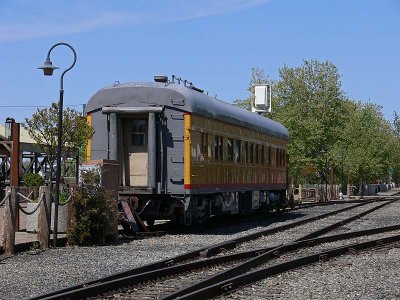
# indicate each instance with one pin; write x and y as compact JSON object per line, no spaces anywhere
{"x":12,"y":207}
{"x":319,"y":193}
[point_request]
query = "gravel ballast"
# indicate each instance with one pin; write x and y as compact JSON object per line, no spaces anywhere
{"x":367,"y":275}
{"x":33,"y":273}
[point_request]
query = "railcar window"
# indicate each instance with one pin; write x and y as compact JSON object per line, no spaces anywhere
{"x":218,"y":148}
{"x":221,"y":153}
{"x":273,"y":156}
{"x":230,"y":149}
{"x":256,"y":158}
{"x":269,"y":156}
{"x":262,"y":154}
{"x":138,"y":132}
{"x":245,"y":157}
{"x":277,"y":157}
{"x":204,"y":145}
{"x":251,"y":153}
{"x":209,"y":146}
{"x":283,"y":158}
{"x":238,"y":146}
{"x":286,"y":159}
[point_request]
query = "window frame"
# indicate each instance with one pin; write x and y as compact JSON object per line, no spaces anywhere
{"x":238,"y":151}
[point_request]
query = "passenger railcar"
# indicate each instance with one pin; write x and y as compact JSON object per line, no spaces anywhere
{"x":184,"y":155}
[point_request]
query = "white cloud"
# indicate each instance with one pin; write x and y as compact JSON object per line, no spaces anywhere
{"x":220,"y":7}
{"x":17,"y":24}
{"x":36,"y":28}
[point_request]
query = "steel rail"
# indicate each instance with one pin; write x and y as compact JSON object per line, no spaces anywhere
{"x":157,"y":231}
{"x":245,"y":279}
{"x":269,"y":254}
{"x":94,"y":287}
{"x":343,"y":222}
{"x":140,"y":278}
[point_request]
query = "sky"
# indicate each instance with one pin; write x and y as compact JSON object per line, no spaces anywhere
{"x":212,"y":43}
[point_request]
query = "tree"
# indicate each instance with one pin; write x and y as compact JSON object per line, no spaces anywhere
{"x":94,"y":213}
{"x":396,"y":124}
{"x":308,"y":100}
{"x":43,"y":127}
{"x":327,"y":130}
{"x":366,"y":144}
{"x":396,"y":148}
{"x":257,"y":77}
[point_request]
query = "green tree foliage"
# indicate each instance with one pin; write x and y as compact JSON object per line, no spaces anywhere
{"x":326,"y":129}
{"x":257,"y":77}
{"x":308,"y":101}
{"x":43,"y":127}
{"x":396,"y":148}
{"x":366,"y":143}
{"x":396,"y":124}
{"x":32,"y":179}
{"x":94,"y":213}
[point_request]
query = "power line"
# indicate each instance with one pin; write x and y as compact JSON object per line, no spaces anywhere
{"x":36,"y":106}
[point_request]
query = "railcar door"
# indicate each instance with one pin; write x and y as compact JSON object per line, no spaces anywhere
{"x":136,"y":138}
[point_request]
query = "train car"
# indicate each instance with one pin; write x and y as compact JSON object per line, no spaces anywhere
{"x":184,"y":155}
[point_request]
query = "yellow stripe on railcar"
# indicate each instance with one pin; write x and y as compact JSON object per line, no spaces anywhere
{"x":187,"y":156}
{"x":89,"y":141}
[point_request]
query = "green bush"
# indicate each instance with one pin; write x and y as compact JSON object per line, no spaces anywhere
{"x":31,"y":179}
{"x":63,"y":196}
{"x":94,"y":215}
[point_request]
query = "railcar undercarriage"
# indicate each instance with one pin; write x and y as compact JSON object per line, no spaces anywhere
{"x":196,"y":209}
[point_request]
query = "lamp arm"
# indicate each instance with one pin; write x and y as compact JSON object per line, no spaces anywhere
{"x":73,"y":63}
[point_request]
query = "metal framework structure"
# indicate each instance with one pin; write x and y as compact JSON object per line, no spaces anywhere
{"x":33,"y":160}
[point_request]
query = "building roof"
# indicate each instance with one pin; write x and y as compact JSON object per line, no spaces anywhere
{"x":23,"y":133}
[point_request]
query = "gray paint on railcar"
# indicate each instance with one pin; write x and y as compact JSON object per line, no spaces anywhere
{"x":113,"y":128}
{"x":170,"y":94}
{"x":176,"y":100}
{"x":174,"y":147}
{"x":152,"y":152}
{"x":99,"y":149}
{"x":170,"y":174}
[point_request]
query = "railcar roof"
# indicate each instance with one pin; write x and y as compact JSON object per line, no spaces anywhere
{"x":161,"y":94}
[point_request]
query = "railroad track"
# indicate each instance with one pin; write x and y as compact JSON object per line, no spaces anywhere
{"x":303,"y":256}
{"x":223,"y":221}
{"x":147,"y":281}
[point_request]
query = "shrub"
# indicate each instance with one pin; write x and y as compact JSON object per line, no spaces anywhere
{"x":94,"y":214}
{"x":63,"y":196}
{"x":31,"y":179}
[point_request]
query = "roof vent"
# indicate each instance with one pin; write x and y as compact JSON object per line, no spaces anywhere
{"x":161,"y":78}
{"x":186,"y":83}
{"x":197,"y":89}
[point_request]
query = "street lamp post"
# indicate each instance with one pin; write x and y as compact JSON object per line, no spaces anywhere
{"x":48,"y":69}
